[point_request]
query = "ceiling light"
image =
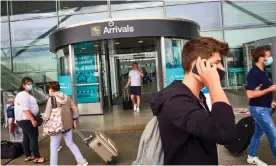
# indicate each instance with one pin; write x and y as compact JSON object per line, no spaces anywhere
{"x":96,"y":45}
{"x":140,"y":41}
{"x":83,"y":48}
{"x":117,"y":43}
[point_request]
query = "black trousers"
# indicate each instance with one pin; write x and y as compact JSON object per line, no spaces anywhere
{"x":30,"y":138}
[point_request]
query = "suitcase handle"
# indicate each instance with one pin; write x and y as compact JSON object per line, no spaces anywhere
{"x":82,"y":136}
{"x":126,"y":92}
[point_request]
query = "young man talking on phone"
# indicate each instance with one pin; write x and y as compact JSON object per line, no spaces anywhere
{"x":134,"y":80}
{"x":189,"y":131}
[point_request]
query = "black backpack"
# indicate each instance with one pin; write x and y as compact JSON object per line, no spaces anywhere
{"x":11,"y":150}
{"x":245,"y":130}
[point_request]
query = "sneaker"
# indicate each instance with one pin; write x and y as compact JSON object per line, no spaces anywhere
{"x":134,"y":107}
{"x":137,"y":109}
{"x":83,"y":163}
{"x":255,"y":161}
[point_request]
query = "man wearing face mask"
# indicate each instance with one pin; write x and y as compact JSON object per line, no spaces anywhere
{"x":189,"y":130}
{"x":259,"y":90}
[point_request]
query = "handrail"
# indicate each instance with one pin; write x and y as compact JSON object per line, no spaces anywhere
{"x":36,"y":71}
{"x":38,"y":93}
{"x":7,"y":70}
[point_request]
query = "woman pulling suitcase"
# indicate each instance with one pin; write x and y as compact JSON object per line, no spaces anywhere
{"x":68,"y":113}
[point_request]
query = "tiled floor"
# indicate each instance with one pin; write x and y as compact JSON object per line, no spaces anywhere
{"x":125,"y":128}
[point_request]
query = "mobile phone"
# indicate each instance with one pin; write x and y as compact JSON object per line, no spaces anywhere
{"x":195,"y":69}
{"x":220,"y":72}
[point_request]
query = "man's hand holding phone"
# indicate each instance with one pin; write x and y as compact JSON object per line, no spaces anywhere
{"x":207,"y":73}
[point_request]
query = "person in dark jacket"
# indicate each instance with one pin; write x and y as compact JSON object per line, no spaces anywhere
{"x":189,"y":131}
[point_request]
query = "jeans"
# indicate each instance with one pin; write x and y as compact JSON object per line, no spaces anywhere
{"x":263,"y":125}
{"x":30,"y":138}
{"x":55,"y":143}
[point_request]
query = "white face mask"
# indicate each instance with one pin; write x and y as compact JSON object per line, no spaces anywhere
{"x":268,"y":61}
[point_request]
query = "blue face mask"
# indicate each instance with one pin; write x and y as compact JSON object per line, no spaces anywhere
{"x":29,"y":87}
{"x":269,"y":61}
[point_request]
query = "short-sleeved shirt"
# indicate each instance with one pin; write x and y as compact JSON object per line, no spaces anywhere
{"x":135,"y":78}
{"x":255,"y":78}
{"x":24,"y":101}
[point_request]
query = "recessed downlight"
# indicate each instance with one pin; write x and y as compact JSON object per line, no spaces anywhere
{"x":140,"y":41}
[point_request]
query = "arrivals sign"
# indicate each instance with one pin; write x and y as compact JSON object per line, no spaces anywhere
{"x":124,"y":28}
{"x":111,"y":28}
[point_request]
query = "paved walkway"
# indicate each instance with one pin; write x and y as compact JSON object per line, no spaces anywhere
{"x":125,"y":128}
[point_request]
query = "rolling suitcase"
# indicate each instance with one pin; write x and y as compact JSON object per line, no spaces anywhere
{"x":127,"y":103}
{"x":245,"y":130}
{"x":102,"y":145}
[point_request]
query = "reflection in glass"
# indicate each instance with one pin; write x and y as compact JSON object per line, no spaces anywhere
{"x":174,"y":2}
{"x":35,"y":58}
{"x":249,"y":13}
{"x":40,"y":77}
{"x":63,"y":61}
{"x":173,"y":49}
{"x":32,"y":32}
{"x":64,"y":77}
{"x":4,"y":16}
{"x":5,"y":35}
{"x":5,"y":57}
{"x":235,"y":38}
{"x":125,"y":5}
{"x":235,"y":64}
{"x":77,"y":7}
{"x":20,"y":10}
{"x":146,"y":12}
{"x":218,"y":35}
{"x":75,"y":19}
{"x":195,"y":12}
{"x":136,"y":9}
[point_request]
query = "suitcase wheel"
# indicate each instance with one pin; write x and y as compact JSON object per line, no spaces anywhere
{"x":114,"y":161}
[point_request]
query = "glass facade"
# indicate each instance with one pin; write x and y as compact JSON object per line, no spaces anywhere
{"x":26,"y":26}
